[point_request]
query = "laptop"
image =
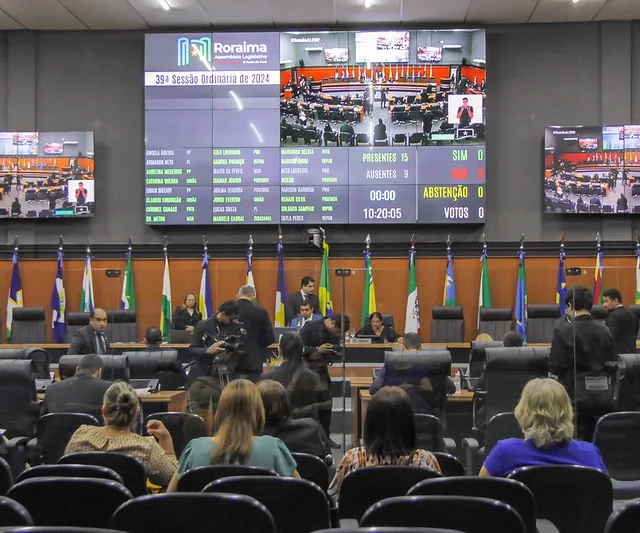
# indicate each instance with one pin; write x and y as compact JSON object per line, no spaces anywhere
{"x":373,"y":339}
{"x":145,"y":386}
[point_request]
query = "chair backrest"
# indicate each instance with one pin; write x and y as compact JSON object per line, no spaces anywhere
{"x":476,"y":359}
{"x":363,"y":487}
{"x":501,"y":426}
{"x":380,"y":530}
{"x":39,"y":356}
{"x":496,"y":321}
{"x":450,"y":466}
{"x":183,"y":428}
{"x":541,"y":320}
{"x":54,"y":431}
{"x":599,"y":312}
{"x":576,"y":499}
{"x":195,"y":513}
{"x":625,"y":519}
{"x":423,"y":375}
{"x":71,"y":529}
{"x":64,"y":501}
{"x":278,"y":494}
{"x":75,"y":321}
{"x":13,"y":513}
{"x":617,"y":436}
{"x":6,"y":477}
{"x":18,"y":407}
{"x":429,"y":432}
{"x":447,"y":324}
{"x":115,"y":367}
{"x":630,"y":382}
{"x":161,"y":364}
{"x":92,"y":471}
{"x":507,"y":371}
{"x":129,"y":468}
{"x":508,"y":491}
{"x":635,"y":309}
{"x":472,"y":515}
{"x":123,"y":325}
{"x":28,"y":325}
{"x":313,"y":469}
{"x":196,"y":479}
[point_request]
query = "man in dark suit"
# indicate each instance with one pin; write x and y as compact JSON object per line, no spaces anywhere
{"x":259,"y":334}
{"x":91,"y":338}
{"x":305,"y":295}
{"x":81,"y":393}
{"x":622,"y":323}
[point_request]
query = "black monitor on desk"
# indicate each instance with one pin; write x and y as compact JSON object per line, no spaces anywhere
{"x":375,"y":339}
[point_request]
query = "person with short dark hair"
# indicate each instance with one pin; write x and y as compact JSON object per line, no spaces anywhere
{"x":16,"y":207}
{"x":153,"y":339}
{"x":622,"y":323}
{"x":81,"y":393}
{"x":187,"y":315}
{"x":465,"y":113}
{"x":593,"y":346}
{"x":304,"y":295}
{"x":81,"y":194}
{"x":121,"y":410}
{"x":305,"y":315}
{"x":513,"y":339}
{"x":379,"y":131}
{"x":91,"y":338}
{"x":389,"y":438}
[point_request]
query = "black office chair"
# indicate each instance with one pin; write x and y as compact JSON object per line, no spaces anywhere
{"x":447,"y":324}
{"x":53,"y":433}
{"x":501,"y":426}
{"x":92,"y":471}
{"x":123,"y":325}
{"x":599,"y":312}
{"x":313,"y":469}
{"x":387,"y":321}
{"x":13,"y":513}
{"x":195,"y":513}
{"x":278,"y":494}
{"x":508,"y":491}
{"x":18,"y":399}
{"x":430,"y":434}
{"x":28,"y":326}
{"x":472,"y":515}
{"x":58,"y":529}
{"x":629,"y":382}
{"x":541,"y":320}
{"x":450,"y":466}
{"x":363,"y":487}
{"x":496,"y":321}
{"x":625,"y":519}
{"x":39,"y":357}
{"x":75,"y":321}
{"x":477,"y":357}
{"x":115,"y":367}
{"x":64,"y":501}
{"x":576,"y":499}
{"x":183,"y":428}
{"x":129,"y":468}
{"x":196,"y":479}
{"x":389,"y":530}
{"x":617,"y":436}
{"x":163,"y":365}
{"x":6,"y":477}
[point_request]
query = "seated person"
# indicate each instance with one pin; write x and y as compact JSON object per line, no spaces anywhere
{"x":121,"y":410}
{"x":153,"y":339}
{"x":239,"y":423}
{"x":389,"y":438}
{"x":306,"y":314}
{"x":376,"y":327}
{"x":186,"y":316}
{"x":545,"y":415}
{"x":379,"y":131}
{"x":411,"y":377}
{"x":308,"y":396}
{"x":513,"y":339}
{"x":81,"y":393}
{"x":484,"y":337}
{"x":301,"y":435}
{"x":347,"y":128}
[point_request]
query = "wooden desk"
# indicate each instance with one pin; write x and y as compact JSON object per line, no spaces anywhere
{"x":175,"y":400}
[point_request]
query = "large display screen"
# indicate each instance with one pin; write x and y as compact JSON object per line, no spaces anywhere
{"x":236,"y":135}
{"x":592,"y":169}
{"x":47,"y":174}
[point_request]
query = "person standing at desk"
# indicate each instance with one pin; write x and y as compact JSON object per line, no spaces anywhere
{"x":91,"y":338}
{"x":187,"y":316}
{"x":622,"y":323}
{"x":383,"y":98}
{"x":305,"y":295}
{"x":376,"y":327}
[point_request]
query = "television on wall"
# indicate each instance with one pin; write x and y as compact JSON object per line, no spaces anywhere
{"x":336,"y":55}
{"x":47,"y":174}
{"x":430,"y":54}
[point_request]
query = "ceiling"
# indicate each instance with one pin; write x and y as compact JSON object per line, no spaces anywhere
{"x":149,"y":15}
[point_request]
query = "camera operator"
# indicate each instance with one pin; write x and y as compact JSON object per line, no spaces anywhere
{"x":212,"y":337}
{"x":321,"y":348}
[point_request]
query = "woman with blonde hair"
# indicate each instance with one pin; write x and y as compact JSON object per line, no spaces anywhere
{"x":545,"y":416}
{"x":187,"y":316}
{"x":238,"y":425}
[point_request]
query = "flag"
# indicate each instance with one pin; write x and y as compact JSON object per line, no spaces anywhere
{"x":638,"y":275}
{"x":15,"y":294}
{"x":279,"y":320}
{"x":561,"y":287}
{"x":521,"y":299}
{"x":324,"y":291}
{"x":204,"y":297}
{"x":58,"y":305}
{"x":412,"y":317}
{"x":166,"y":307}
{"x":249,"y":276}
{"x":597,"y":282}
{"x":86,"y":298}
{"x":369,"y":303}
{"x":484,"y":296}
{"x":128,"y":298}
{"x":449,"y":295}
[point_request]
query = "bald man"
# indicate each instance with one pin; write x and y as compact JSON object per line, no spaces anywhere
{"x":91,"y":338}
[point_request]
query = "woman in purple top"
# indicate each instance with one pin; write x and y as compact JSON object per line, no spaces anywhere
{"x":545,"y":415}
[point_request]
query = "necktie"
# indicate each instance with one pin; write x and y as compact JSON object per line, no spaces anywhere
{"x":100,"y":344}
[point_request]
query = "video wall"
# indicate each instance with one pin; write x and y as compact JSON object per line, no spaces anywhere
{"x":47,"y":174}
{"x":592,"y":170}
{"x":245,"y":128}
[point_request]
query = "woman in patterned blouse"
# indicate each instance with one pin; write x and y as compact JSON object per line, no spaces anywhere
{"x":389,"y":438}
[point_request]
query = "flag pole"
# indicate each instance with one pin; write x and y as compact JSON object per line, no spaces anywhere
{"x":15,"y":245}
{"x":484,"y":245}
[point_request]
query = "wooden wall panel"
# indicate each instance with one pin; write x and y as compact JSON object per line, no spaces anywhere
{"x":390,"y":275}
